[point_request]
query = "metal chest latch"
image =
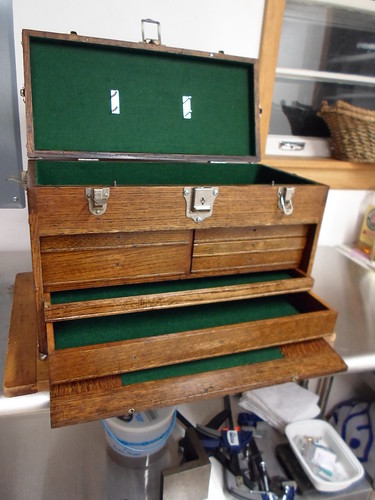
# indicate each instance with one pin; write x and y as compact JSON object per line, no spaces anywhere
{"x":285,"y":195}
{"x":199,"y":202}
{"x":97,"y":198}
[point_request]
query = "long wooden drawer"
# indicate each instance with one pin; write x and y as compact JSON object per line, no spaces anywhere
{"x":102,"y":346}
{"x":122,"y":299}
{"x":87,"y":400}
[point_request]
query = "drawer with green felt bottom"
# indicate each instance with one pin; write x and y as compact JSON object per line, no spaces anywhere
{"x":86,"y":400}
{"x":101,"y":346}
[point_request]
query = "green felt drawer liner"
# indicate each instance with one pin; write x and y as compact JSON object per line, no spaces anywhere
{"x":72,"y":82}
{"x":202,"y":365}
{"x":111,"y":292}
{"x":90,"y":331}
{"x":87,"y":173}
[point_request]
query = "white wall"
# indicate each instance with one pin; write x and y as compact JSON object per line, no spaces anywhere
{"x":342,"y":216}
{"x":208,"y":25}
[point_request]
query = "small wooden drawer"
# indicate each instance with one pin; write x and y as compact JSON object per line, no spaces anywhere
{"x":249,"y":248}
{"x":102,"y":346}
{"x":81,"y":261}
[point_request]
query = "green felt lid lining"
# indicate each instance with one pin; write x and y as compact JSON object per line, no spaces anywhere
{"x":72,"y":84}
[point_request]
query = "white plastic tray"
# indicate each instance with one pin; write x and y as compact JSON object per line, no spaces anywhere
{"x":348,"y":468}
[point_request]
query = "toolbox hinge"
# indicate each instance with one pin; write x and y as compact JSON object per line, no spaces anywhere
{"x":21,"y":179}
{"x":97,"y":198}
{"x":285,"y":195}
{"x":199,"y":202}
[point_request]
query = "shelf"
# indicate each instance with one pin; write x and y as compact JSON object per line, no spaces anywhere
{"x":334,"y":173}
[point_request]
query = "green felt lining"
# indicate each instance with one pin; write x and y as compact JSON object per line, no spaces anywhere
{"x":90,"y":331}
{"x":202,"y":365}
{"x":111,"y":292}
{"x":88,"y":173}
{"x":71,"y":87}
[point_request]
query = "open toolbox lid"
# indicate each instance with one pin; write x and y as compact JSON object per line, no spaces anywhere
{"x":96,"y":98}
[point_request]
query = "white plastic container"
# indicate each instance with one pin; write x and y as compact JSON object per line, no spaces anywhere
{"x":145,"y":434}
{"x":347,"y":467}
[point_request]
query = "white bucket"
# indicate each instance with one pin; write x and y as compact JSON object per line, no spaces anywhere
{"x":144,"y":435}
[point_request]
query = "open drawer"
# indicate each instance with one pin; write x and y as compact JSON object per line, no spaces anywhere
{"x":107,"y":301}
{"x":87,"y":400}
{"x":123,"y":343}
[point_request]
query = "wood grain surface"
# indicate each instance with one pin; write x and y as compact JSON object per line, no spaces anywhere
{"x":144,"y":353}
{"x":154,"y":301}
{"x":22,"y":374}
{"x":101,"y":398}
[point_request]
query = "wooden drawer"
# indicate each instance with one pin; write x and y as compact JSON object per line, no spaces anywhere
{"x":92,"y":399}
{"x":81,"y":261}
{"x":102,"y":346}
{"x":250,"y":248}
{"x":108,"y":301}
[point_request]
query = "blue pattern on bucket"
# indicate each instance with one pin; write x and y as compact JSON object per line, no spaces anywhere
{"x":139,"y":417}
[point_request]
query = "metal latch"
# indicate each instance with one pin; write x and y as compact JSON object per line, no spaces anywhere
{"x":199,"y":202}
{"x":97,"y":198}
{"x":285,"y":195}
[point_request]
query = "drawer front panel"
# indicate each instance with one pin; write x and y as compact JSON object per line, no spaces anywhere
{"x":69,"y":262}
{"x":105,"y":397}
{"x":245,"y":262}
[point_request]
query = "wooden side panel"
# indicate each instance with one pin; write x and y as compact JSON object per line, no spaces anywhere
{"x":20,"y":374}
{"x":120,"y":357}
{"x":96,"y":260}
{"x":248,"y":249}
{"x":37,"y":270}
{"x":149,"y":208}
{"x":101,"y":398}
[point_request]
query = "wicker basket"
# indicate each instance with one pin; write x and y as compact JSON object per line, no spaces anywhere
{"x":352,"y":131}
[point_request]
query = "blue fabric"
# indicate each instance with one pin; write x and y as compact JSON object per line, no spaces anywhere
{"x":354,"y":421}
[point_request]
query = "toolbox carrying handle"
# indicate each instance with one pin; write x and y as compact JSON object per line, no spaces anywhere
{"x":150,"y":40}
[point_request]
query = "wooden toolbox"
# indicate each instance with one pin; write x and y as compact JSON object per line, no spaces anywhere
{"x":168,"y":264}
